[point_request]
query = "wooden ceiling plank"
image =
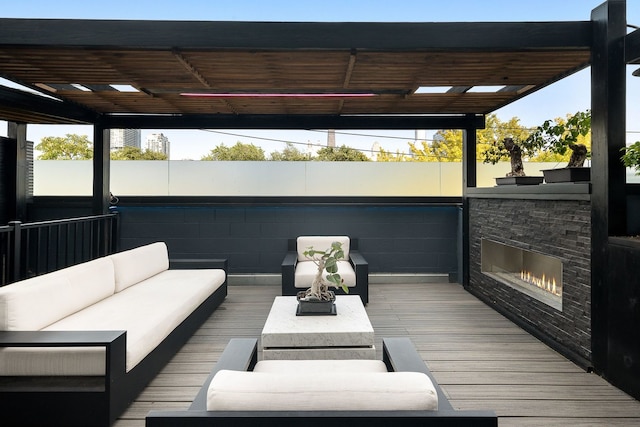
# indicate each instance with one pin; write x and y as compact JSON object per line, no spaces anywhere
{"x":194,"y":72}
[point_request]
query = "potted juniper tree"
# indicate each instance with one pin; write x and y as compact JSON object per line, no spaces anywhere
{"x":553,"y":136}
{"x":319,"y":299}
{"x":558,"y":137}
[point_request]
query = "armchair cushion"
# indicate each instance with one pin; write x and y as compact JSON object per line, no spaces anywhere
{"x":296,"y":366}
{"x":321,"y":391}
{"x":306,"y":271}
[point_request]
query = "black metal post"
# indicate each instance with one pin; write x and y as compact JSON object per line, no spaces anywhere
{"x":469,"y":180}
{"x":16,"y":262}
{"x":101,"y":175}
{"x":608,"y":200}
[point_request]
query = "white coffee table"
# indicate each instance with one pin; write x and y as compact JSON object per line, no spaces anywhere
{"x":347,"y":335}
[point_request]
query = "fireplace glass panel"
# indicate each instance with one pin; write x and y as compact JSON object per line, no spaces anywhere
{"x":533,"y":273}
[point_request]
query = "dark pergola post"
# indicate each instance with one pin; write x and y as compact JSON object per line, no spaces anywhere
{"x":101,"y":171}
{"x":18,"y":132}
{"x":608,"y":127}
{"x":469,"y":180}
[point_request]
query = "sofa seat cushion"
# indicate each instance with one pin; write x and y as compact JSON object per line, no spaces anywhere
{"x":320,"y":243}
{"x":148,"y":311}
{"x":35,"y":303}
{"x":135,"y":265}
{"x":322,"y":391}
{"x":296,"y":366}
{"x":306,"y":272}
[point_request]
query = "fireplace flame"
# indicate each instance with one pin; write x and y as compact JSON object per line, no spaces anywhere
{"x":547,"y":284}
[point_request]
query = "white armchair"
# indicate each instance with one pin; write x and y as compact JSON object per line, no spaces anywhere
{"x":298,"y":271}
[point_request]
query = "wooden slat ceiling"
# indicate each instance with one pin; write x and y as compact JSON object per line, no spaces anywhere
{"x":389,"y":77}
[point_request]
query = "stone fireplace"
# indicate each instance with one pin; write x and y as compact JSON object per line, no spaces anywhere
{"x":514,"y":238}
{"x":536,"y":275}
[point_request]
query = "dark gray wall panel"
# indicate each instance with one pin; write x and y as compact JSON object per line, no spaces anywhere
{"x":397,"y":238}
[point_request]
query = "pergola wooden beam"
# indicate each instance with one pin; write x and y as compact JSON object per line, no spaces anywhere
{"x":632,"y":47}
{"x":456,"y":36}
{"x":18,"y":100}
{"x":271,"y":121}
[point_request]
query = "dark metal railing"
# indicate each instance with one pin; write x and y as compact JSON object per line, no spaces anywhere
{"x":31,"y":249}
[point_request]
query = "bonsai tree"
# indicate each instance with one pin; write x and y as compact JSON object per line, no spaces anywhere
{"x":555,"y":136}
{"x":631,"y":156}
{"x":558,"y":137}
{"x":325,"y":260}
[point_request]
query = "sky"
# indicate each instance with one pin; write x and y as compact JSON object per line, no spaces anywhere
{"x":565,"y":97}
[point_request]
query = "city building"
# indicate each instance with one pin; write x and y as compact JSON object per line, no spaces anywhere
{"x":121,"y":138}
{"x":158,"y":142}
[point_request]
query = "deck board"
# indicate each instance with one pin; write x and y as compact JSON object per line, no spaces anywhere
{"x":481,"y":359}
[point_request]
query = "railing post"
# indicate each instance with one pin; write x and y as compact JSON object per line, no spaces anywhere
{"x":114,"y":244}
{"x":16,"y":251}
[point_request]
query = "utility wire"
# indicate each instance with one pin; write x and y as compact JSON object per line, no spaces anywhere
{"x":363,"y":150}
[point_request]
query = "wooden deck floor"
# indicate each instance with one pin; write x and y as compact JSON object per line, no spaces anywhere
{"x":482,"y":360}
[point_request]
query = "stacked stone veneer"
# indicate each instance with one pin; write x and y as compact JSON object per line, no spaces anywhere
{"x":556,"y":228}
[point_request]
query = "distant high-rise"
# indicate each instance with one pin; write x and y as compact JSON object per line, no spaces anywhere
{"x":121,"y":138}
{"x":158,"y":143}
{"x":331,"y":138}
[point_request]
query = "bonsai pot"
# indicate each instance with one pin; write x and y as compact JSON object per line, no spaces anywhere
{"x":567,"y":175}
{"x":519,"y":180}
{"x":315,"y":307}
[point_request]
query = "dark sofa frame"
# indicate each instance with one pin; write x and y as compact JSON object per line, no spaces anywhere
{"x":399,"y":354}
{"x":94,"y":401}
{"x":359,"y":264}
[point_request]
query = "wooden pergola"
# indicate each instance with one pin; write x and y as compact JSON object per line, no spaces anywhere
{"x":276,"y":75}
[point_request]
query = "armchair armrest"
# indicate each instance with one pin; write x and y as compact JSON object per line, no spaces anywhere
{"x":288,"y":268}
{"x":241,"y":354}
{"x":400,"y":355}
{"x":357,"y":259}
{"x":290,"y":259}
{"x":198,"y":263}
{"x":361,"y":268}
{"x":114,"y":342}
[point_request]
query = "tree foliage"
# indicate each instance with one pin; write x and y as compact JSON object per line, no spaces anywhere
{"x":341,"y":154}
{"x":134,"y":153}
{"x":290,"y":154}
{"x":69,"y":147}
{"x":239,"y":151}
{"x":494,"y":134}
{"x":631,"y":156}
{"x":387,"y":156}
{"x":447,"y":144}
{"x":445,"y":147}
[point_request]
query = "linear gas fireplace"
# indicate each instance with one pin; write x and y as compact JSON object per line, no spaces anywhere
{"x":532,"y":273}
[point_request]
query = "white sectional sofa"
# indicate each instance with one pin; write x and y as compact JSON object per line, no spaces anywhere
{"x":86,"y":339}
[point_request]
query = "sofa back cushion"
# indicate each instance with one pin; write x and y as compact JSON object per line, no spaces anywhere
{"x":320,"y":243}
{"x":321,"y":391}
{"x":35,"y":303}
{"x":135,"y":265}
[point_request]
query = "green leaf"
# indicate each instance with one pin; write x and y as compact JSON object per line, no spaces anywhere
{"x":331,"y":266}
{"x":335,"y":279}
